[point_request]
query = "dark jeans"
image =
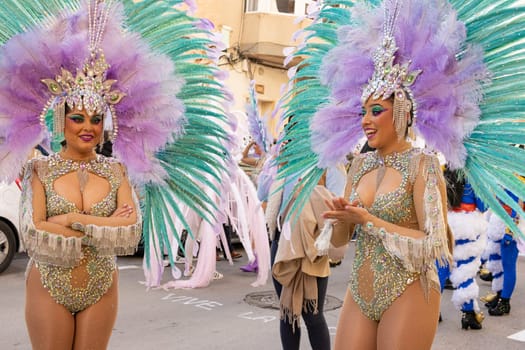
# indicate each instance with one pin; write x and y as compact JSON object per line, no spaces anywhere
{"x":318,"y":333}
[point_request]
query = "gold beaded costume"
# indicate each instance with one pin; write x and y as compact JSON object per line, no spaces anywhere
{"x":77,"y":271}
{"x":386,"y":263}
{"x":148,"y":70}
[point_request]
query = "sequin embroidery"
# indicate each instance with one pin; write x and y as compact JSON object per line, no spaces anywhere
{"x":378,"y":278}
{"x":83,"y":285}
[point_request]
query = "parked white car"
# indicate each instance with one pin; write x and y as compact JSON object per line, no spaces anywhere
{"x":10,"y":240}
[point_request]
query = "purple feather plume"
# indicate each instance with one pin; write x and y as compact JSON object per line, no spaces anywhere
{"x":447,"y":92}
{"x":256,"y":125}
{"x":149,"y":115}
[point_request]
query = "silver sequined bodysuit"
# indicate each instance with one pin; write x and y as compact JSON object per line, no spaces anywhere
{"x":377,"y":277}
{"x":83,"y":285}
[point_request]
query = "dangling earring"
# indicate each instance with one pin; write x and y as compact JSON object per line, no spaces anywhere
{"x":59,"y":116}
{"x":110,"y":124}
{"x":401,"y":107}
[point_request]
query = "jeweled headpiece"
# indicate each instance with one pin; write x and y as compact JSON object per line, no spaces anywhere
{"x":388,"y":77}
{"x":415,"y":51}
{"x":88,"y":53}
{"x":391,"y":79}
{"x":88,"y":89}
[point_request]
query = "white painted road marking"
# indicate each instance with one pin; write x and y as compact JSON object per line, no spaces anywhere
{"x":520,"y":336}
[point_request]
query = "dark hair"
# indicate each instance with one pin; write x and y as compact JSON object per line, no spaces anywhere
{"x":106,"y":149}
{"x":455,"y":186}
{"x":366,"y":148}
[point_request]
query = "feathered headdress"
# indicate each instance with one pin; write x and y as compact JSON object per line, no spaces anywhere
{"x":413,"y":47}
{"x":170,"y":121}
{"x":460,"y":63}
{"x":75,"y":71}
{"x":89,"y":88}
{"x":306,"y":93}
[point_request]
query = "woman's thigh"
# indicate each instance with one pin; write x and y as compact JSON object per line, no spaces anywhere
{"x":94,"y":325}
{"x":354,"y":330}
{"x":411,"y":321}
{"x":50,"y":325}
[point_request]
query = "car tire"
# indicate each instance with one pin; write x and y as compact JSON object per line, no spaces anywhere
{"x":7,"y":245}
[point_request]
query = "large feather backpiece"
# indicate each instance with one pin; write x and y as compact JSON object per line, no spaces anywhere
{"x":196,"y":160}
{"x":306,"y":94}
{"x":469,"y":97}
{"x":493,"y":162}
{"x":170,"y":128}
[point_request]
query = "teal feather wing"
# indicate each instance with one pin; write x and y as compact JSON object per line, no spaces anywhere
{"x":493,"y":161}
{"x":196,"y":159}
{"x":17,"y":16}
{"x":305,"y":95}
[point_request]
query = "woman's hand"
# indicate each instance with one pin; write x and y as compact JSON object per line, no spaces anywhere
{"x":62,"y":220}
{"x":123,"y":212}
{"x":344,"y":211}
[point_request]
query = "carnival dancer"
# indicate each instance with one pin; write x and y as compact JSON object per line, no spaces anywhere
{"x":72,"y":73}
{"x":262,"y":162}
{"x":398,"y":66}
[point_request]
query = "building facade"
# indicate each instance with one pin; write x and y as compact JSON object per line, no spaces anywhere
{"x":255,"y":33}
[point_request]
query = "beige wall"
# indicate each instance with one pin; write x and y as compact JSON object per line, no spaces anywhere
{"x":271,"y":78}
{"x":223,"y":12}
{"x":257,"y":27}
{"x":270,"y":28}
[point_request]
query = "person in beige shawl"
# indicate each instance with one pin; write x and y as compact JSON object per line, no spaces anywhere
{"x":300,"y":272}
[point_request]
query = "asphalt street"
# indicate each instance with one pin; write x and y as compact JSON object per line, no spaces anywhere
{"x":218,"y":317}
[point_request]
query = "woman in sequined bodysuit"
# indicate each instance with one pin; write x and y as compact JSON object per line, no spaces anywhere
{"x":393,"y":298}
{"x":89,"y":72}
{"x":404,"y":64}
{"x":71,"y":300}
